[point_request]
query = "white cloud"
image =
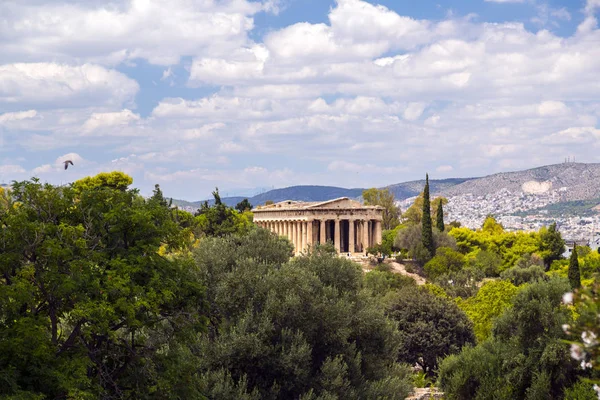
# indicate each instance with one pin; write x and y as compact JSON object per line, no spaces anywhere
{"x":414,"y":111}
{"x":11,"y":169}
{"x":109,"y":33}
{"x":575,"y":135}
{"x":109,"y":120}
{"x":444,"y":168}
{"x":64,"y":85}
{"x":17,"y":116}
{"x":591,"y":6}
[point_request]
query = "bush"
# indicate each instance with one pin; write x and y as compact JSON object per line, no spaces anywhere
{"x":581,"y":391}
{"x":430,"y":327}
{"x":382,"y":282}
{"x":446,"y":260}
{"x":526,"y":356}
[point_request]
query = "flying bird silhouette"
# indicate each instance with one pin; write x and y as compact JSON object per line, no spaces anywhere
{"x":67,"y":163}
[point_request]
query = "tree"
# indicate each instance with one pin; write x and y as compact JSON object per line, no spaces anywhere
{"x":290,"y":329}
{"x":445,"y":260}
{"x":426,"y":229}
{"x":574,"y":273}
{"x":526,"y":356}
{"x":430,"y":327}
{"x":89,"y":308}
{"x":491,"y":300}
{"x":414,"y":214}
{"x":221,"y":220}
{"x":243,"y":206}
{"x":440,"y":217}
{"x":552,"y":245}
{"x":383,"y":198}
{"x":529,"y":268}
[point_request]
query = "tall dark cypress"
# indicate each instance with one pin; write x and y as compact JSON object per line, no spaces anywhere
{"x":427,"y":231}
{"x":574,"y":274}
{"x":440,"y":217}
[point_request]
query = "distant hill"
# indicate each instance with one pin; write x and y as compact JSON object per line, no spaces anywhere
{"x":575,"y":181}
{"x":578,"y":182}
{"x":406,"y":190}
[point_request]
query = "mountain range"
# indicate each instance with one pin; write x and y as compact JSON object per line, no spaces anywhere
{"x":575,"y":181}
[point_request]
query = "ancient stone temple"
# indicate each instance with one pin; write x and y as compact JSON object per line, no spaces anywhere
{"x":349,"y":225}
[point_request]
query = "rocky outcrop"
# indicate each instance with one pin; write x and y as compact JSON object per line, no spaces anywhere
{"x":426,"y":394}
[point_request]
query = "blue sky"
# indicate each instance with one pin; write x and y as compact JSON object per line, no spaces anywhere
{"x":242,"y":94}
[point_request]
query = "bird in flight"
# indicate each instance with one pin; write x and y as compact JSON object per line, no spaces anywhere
{"x":67,"y":163}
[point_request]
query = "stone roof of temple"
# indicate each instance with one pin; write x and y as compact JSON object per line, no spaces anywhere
{"x":342,"y":202}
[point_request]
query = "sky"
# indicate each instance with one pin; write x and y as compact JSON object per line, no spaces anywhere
{"x":247,"y":95}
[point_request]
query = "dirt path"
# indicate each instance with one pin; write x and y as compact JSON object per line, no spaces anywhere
{"x":401,"y":269}
{"x":396,"y":268}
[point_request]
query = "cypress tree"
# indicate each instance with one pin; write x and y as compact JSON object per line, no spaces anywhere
{"x":426,"y":229}
{"x":440,"y":217}
{"x":574,"y":274}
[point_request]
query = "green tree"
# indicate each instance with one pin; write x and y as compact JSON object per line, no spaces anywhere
{"x":426,"y":229}
{"x":243,"y":206}
{"x":383,"y":198}
{"x":574,"y":273}
{"x":221,"y":220}
{"x":430,"y":327}
{"x":289,"y":329}
{"x":552,"y":245}
{"x":529,"y":268}
{"x":440,"y":217}
{"x":445,"y":260}
{"x":491,"y":300}
{"x":89,"y":308}
{"x":526,"y":356}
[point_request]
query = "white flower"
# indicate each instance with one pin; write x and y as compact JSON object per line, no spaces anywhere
{"x":565,"y":328}
{"x":577,"y":352}
{"x":568,"y":298}
{"x":589,"y":338}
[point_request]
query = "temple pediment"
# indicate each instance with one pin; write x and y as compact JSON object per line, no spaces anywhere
{"x":342,"y":202}
{"x":339,"y":203}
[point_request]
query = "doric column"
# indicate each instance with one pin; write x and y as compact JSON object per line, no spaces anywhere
{"x":298,"y":237}
{"x":323,"y":237}
{"x":351,"y":248}
{"x":309,"y":234}
{"x":378,"y":232}
{"x":304,"y":235}
{"x":365,"y":229}
{"x":287,"y":230}
{"x":293,"y":234}
{"x":336,"y":235}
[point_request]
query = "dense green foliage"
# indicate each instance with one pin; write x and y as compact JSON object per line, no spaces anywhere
{"x":439,"y":222}
{"x":385,"y":199}
{"x":243,"y":206}
{"x":525,"y":358}
{"x":574,"y":273}
{"x":221,"y":220}
{"x":88,"y":307}
{"x":491,"y":300}
{"x":431,"y":327}
{"x":297,"y":329}
{"x":426,"y":228}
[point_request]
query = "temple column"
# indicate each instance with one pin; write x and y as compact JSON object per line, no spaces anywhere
{"x":323,"y":233}
{"x":293,"y":234}
{"x":351,"y":248}
{"x":304,"y":235}
{"x":336,"y":235}
{"x":298,"y":243}
{"x":365,"y":230}
{"x":309,"y":233}
{"x":378,"y":232}
{"x":287,"y":230}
